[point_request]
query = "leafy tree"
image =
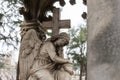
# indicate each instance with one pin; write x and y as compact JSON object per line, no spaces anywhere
{"x":1,"y":64}
{"x":9,"y":23}
{"x":77,"y":49}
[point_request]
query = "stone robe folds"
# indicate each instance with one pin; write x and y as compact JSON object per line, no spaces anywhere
{"x":44,"y":67}
{"x":28,"y":50}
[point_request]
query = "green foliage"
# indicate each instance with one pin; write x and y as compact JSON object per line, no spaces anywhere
{"x":83,"y":35}
{"x":1,"y":64}
{"x":9,"y":22}
{"x":77,"y":46}
{"x":12,"y":1}
{"x":1,"y":15}
{"x":49,"y":33}
{"x":77,"y":49}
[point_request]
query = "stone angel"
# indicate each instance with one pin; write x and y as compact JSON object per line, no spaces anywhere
{"x":32,"y":35}
{"x":48,"y":65}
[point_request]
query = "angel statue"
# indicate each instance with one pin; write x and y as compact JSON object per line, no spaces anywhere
{"x":41,"y":59}
{"x":49,"y":64}
{"x":32,"y":36}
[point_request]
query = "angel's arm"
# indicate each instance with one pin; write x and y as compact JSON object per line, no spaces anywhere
{"x":53,"y":55}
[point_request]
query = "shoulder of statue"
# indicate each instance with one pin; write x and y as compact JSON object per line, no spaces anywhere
{"x":48,"y":44}
{"x":31,"y":31}
{"x":27,"y":33}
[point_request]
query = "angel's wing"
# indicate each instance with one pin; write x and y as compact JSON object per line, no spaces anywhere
{"x":28,"y":51}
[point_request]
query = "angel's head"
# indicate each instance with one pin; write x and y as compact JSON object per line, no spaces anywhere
{"x":60,"y":40}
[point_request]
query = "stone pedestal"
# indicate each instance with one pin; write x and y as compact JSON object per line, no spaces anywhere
{"x":103,"y":40}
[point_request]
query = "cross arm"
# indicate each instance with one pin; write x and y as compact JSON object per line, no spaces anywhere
{"x":62,"y":24}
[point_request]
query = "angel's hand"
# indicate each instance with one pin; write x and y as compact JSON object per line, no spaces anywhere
{"x":72,"y":72}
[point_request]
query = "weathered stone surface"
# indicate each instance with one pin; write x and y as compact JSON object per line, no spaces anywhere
{"x":56,"y":23}
{"x":41,"y":59}
{"x":103,"y":40}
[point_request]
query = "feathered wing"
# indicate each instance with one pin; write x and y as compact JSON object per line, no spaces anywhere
{"x":28,"y":50}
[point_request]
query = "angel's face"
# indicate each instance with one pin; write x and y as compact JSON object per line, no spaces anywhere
{"x":61,"y":42}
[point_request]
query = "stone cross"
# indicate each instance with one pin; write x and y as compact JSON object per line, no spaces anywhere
{"x":56,"y":23}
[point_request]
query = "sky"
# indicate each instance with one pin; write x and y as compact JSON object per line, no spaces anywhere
{"x":72,"y":12}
